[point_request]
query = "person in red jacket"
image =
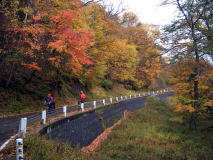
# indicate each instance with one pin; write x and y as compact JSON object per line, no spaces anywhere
{"x":82,"y":97}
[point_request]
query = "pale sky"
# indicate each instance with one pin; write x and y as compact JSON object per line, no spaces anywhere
{"x":150,"y":11}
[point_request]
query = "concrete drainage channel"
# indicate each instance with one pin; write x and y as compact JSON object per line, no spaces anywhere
{"x":81,"y":129}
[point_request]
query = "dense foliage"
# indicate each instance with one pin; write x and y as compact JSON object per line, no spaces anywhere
{"x":53,"y":45}
{"x":190,"y":39}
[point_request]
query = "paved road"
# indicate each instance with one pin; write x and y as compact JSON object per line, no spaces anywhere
{"x":9,"y":126}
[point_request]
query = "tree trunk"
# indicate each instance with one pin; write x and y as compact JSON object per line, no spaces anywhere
{"x":1,"y":76}
{"x":3,"y":57}
{"x":30,"y":78}
{"x":195,"y":79}
{"x":58,"y":83}
{"x":10,"y":76}
{"x":193,"y":121}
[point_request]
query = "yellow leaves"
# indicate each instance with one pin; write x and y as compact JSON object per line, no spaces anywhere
{"x":143,"y":37}
{"x":183,"y":77}
{"x":122,"y":64}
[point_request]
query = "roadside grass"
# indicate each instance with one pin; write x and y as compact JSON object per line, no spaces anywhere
{"x":12,"y":103}
{"x":100,"y":93}
{"x":153,"y":133}
{"x":38,"y":148}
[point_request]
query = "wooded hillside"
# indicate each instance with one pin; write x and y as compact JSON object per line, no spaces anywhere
{"x":63,"y":46}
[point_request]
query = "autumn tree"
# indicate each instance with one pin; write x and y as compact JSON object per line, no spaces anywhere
{"x":122,"y":64}
{"x":53,"y":46}
{"x":182,"y":79}
{"x":190,"y":40}
{"x":20,"y":40}
{"x":128,"y":19}
{"x":143,"y":37}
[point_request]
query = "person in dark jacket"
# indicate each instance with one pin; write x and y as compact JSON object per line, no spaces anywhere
{"x":49,"y":102}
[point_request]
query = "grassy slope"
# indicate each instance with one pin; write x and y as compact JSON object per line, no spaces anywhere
{"x":150,"y":134}
{"x":16,"y":102}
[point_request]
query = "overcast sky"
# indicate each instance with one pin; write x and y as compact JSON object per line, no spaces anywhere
{"x":150,"y":11}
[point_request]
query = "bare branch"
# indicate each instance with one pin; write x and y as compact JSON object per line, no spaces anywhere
{"x":87,"y":3}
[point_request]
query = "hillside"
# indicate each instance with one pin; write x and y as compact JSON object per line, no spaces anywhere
{"x":63,"y":47}
{"x":153,"y":133}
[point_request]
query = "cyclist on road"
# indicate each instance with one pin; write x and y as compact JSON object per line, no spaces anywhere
{"x":82,"y":97}
{"x":49,"y":102}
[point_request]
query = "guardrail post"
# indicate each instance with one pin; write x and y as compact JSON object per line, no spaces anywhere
{"x":104,"y":102}
{"x":139,"y":94}
{"x":111,"y":100}
{"x":19,"y":149}
{"x":44,"y":116}
{"x":94,"y":104}
{"x":22,"y":127}
{"x":116,"y":98}
{"x":135,"y":95}
{"x":130,"y":96}
{"x":65,"y":111}
{"x":82,"y":107}
{"x":126,"y":97}
{"x":121,"y":97}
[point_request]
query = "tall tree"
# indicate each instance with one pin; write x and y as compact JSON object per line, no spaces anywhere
{"x":188,"y":40}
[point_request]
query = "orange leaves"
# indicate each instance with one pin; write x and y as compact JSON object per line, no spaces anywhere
{"x":67,"y":15}
{"x":183,"y":77}
{"x":68,"y":39}
{"x":52,"y":59}
{"x":33,"y":66}
{"x":37,"y":18}
{"x":209,"y":103}
{"x":63,"y":19}
{"x":55,"y":19}
{"x":57,"y":45}
{"x":184,"y":108}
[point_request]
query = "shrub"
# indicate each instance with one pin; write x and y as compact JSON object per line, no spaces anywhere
{"x":107,"y":84}
{"x":129,"y":87}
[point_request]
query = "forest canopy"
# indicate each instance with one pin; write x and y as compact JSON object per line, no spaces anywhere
{"x":63,"y":41}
